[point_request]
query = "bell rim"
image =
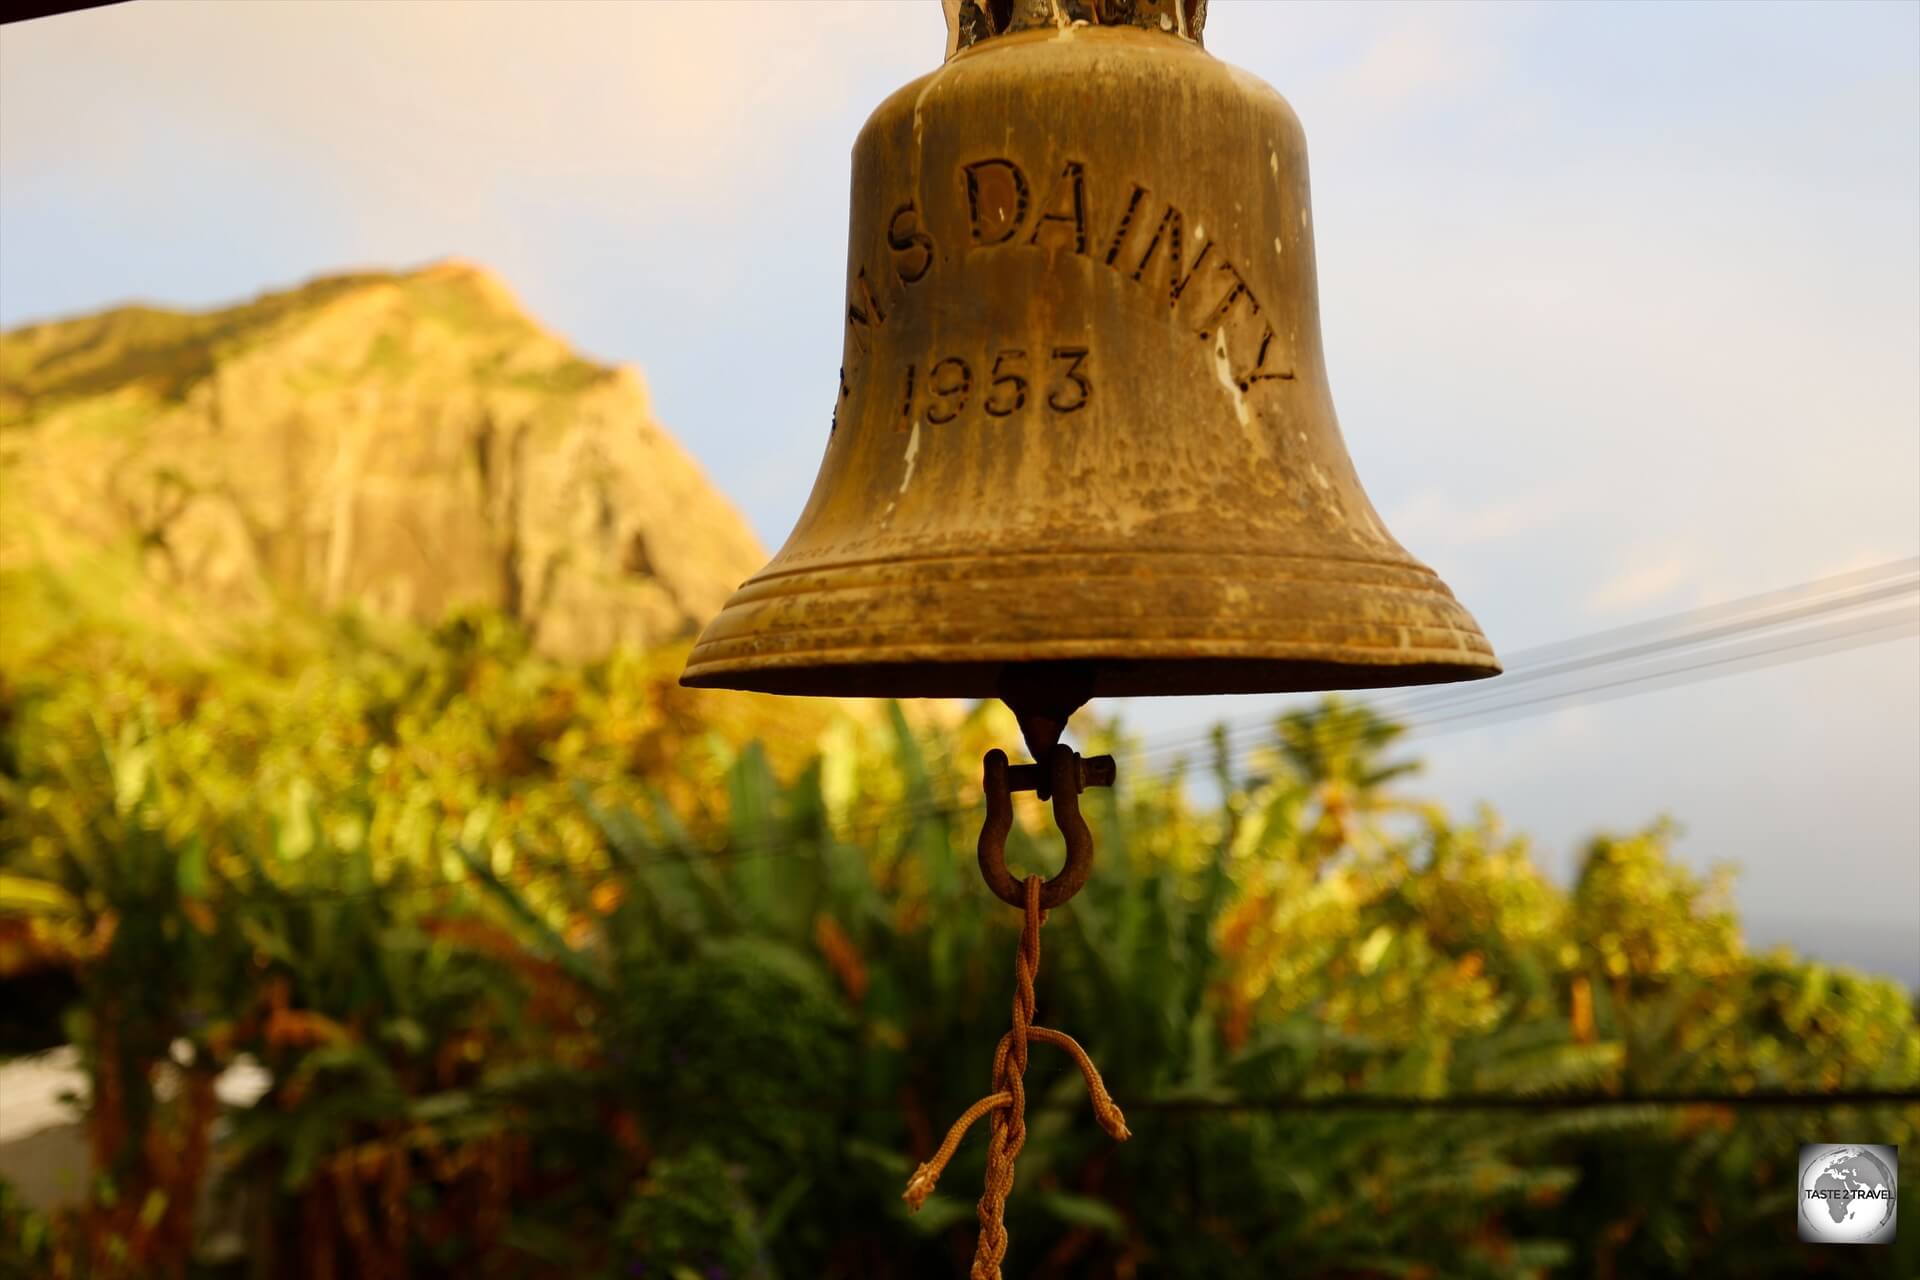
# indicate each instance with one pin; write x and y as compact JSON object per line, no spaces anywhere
{"x":1123,"y":670}
{"x":1149,"y":622}
{"x":1152,"y":621}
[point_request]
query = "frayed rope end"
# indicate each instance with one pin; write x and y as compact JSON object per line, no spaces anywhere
{"x":920,"y":1186}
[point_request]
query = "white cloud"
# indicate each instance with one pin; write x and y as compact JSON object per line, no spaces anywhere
{"x":440,"y":104}
{"x":1431,"y":518}
{"x":1369,"y":66}
{"x":1641,"y":583}
{"x":1427,"y":52}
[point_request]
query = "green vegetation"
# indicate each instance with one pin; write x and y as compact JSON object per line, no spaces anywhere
{"x":564,"y":971}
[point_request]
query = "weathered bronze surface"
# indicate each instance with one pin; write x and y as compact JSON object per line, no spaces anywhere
{"x":1083,"y":434}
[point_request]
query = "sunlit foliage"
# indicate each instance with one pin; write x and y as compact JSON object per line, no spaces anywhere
{"x":568,"y":972}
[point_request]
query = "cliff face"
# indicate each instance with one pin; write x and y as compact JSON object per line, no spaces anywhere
{"x":407,"y":443}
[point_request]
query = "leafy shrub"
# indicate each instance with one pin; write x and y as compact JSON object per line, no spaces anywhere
{"x":557,"y":973}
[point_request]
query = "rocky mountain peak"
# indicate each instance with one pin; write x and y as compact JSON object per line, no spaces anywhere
{"x":405,"y":442}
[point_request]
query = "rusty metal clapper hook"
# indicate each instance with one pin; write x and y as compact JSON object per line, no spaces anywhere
{"x":1062,"y":778}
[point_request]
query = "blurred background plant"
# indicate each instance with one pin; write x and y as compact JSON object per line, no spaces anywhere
{"x":554,"y":969}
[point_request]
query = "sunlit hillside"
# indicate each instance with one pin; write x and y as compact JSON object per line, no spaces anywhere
{"x":403,"y":444}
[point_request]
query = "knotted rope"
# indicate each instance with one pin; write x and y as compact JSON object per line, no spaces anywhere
{"x":1008,"y":1103}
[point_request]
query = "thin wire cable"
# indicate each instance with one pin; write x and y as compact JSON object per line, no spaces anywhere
{"x":1760,"y":1100}
{"x":1446,"y":714}
{"x":1876,"y":628}
{"x":1889,"y":624}
{"x":1839,"y":593}
{"x":1757,"y":1100}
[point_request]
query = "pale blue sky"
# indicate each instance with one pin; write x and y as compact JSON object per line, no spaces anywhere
{"x":1622,"y":307}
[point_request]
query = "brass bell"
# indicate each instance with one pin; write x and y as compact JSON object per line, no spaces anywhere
{"x":1083,"y":443}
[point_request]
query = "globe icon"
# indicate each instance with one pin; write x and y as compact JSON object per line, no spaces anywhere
{"x":1847,"y":1194}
